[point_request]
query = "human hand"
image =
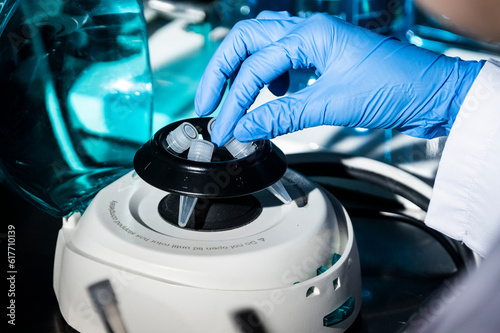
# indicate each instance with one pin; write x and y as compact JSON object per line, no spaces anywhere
{"x":366,"y":80}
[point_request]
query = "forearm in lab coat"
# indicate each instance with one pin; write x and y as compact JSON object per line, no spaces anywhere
{"x":465,"y":203}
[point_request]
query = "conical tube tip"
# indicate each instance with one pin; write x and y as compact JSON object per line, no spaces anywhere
{"x":186,"y":208}
{"x":280,"y":192}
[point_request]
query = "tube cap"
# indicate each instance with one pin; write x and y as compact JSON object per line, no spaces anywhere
{"x":240,"y":149}
{"x":201,"y":151}
{"x":180,"y":138}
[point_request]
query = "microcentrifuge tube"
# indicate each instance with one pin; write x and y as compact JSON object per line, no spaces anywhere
{"x":180,"y":138}
{"x":243,"y":149}
{"x":200,"y":151}
{"x":210,"y":125}
{"x":240,"y":149}
{"x":280,"y":192}
{"x":186,"y":207}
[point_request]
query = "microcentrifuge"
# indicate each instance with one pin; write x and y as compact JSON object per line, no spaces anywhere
{"x":245,"y":258}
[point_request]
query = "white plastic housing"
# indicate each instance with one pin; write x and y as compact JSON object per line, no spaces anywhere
{"x":168,"y":279}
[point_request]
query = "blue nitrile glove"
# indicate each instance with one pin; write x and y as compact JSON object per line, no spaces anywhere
{"x":366,"y":80}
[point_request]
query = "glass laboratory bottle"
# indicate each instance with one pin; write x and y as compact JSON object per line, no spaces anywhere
{"x":76,"y":97}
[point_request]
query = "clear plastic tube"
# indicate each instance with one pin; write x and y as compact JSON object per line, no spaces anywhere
{"x":200,"y":151}
{"x":243,"y":149}
{"x":280,"y":192}
{"x":240,"y":149}
{"x":179,"y":140}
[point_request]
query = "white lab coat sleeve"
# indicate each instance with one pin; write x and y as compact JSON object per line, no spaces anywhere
{"x":465,"y":203}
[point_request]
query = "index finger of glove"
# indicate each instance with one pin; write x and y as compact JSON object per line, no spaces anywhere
{"x":257,"y":71}
{"x":246,"y":38}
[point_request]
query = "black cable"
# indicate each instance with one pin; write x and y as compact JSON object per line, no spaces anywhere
{"x":397,"y":211}
{"x":332,"y":164}
{"x":444,"y":241}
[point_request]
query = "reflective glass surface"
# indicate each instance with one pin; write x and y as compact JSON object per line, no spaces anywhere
{"x":76,"y":97}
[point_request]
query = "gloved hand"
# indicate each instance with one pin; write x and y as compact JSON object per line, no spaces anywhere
{"x":366,"y":80}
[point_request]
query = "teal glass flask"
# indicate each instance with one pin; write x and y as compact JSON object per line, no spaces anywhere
{"x":76,"y":97}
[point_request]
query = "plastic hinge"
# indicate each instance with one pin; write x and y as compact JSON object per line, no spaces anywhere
{"x":336,"y":257}
{"x":341,"y":314}
{"x":321,"y":270}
